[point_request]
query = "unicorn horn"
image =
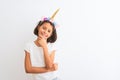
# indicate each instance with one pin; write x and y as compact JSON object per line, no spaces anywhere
{"x":52,"y":17}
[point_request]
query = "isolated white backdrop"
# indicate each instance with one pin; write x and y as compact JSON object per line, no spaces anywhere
{"x":88,"y":37}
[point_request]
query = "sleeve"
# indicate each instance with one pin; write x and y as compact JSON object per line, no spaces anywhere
{"x":53,"y":47}
{"x":27,"y":47}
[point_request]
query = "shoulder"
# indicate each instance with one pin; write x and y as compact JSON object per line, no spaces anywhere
{"x":29,"y":44}
{"x":51,"y":46}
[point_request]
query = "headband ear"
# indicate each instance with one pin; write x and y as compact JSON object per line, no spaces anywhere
{"x":52,"y":17}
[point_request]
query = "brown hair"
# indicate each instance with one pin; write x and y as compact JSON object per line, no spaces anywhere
{"x":53,"y":37}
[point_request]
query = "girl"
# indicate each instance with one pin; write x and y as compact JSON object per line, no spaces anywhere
{"x":39,"y":55}
{"x":39,"y":59}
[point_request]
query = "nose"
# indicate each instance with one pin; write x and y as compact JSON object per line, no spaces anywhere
{"x":45,"y":31}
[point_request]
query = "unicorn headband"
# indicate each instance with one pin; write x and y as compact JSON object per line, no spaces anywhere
{"x":51,"y":19}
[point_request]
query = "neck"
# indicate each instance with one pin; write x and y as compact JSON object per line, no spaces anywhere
{"x":36,"y":42}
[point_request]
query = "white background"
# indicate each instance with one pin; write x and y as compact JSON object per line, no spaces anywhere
{"x":88,"y":37}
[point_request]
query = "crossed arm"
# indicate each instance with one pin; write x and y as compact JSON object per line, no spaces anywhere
{"x":30,"y":69}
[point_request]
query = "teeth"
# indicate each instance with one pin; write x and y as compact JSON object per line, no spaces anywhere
{"x":44,"y":35}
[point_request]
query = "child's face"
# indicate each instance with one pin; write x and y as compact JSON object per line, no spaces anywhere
{"x":45,"y":30}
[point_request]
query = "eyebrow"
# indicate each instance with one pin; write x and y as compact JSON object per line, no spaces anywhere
{"x":46,"y":27}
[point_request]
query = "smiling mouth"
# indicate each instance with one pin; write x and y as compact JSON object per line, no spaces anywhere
{"x":45,"y":36}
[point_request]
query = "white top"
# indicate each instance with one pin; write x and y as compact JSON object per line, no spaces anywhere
{"x":37,"y":60}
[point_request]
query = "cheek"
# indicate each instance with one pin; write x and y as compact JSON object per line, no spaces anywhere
{"x":39,"y":32}
{"x":50,"y":35}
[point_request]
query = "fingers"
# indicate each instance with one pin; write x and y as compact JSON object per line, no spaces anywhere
{"x":53,"y":51}
{"x":55,"y":66}
{"x":40,"y":37}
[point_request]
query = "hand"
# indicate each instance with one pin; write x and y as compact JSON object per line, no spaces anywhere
{"x":54,"y":68}
{"x":42,"y":41}
{"x":53,"y":51}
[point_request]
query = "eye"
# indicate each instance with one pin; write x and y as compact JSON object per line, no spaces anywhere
{"x":49,"y":31}
{"x":44,"y":27}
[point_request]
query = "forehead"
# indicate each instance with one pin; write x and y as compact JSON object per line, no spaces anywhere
{"x":47,"y":25}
